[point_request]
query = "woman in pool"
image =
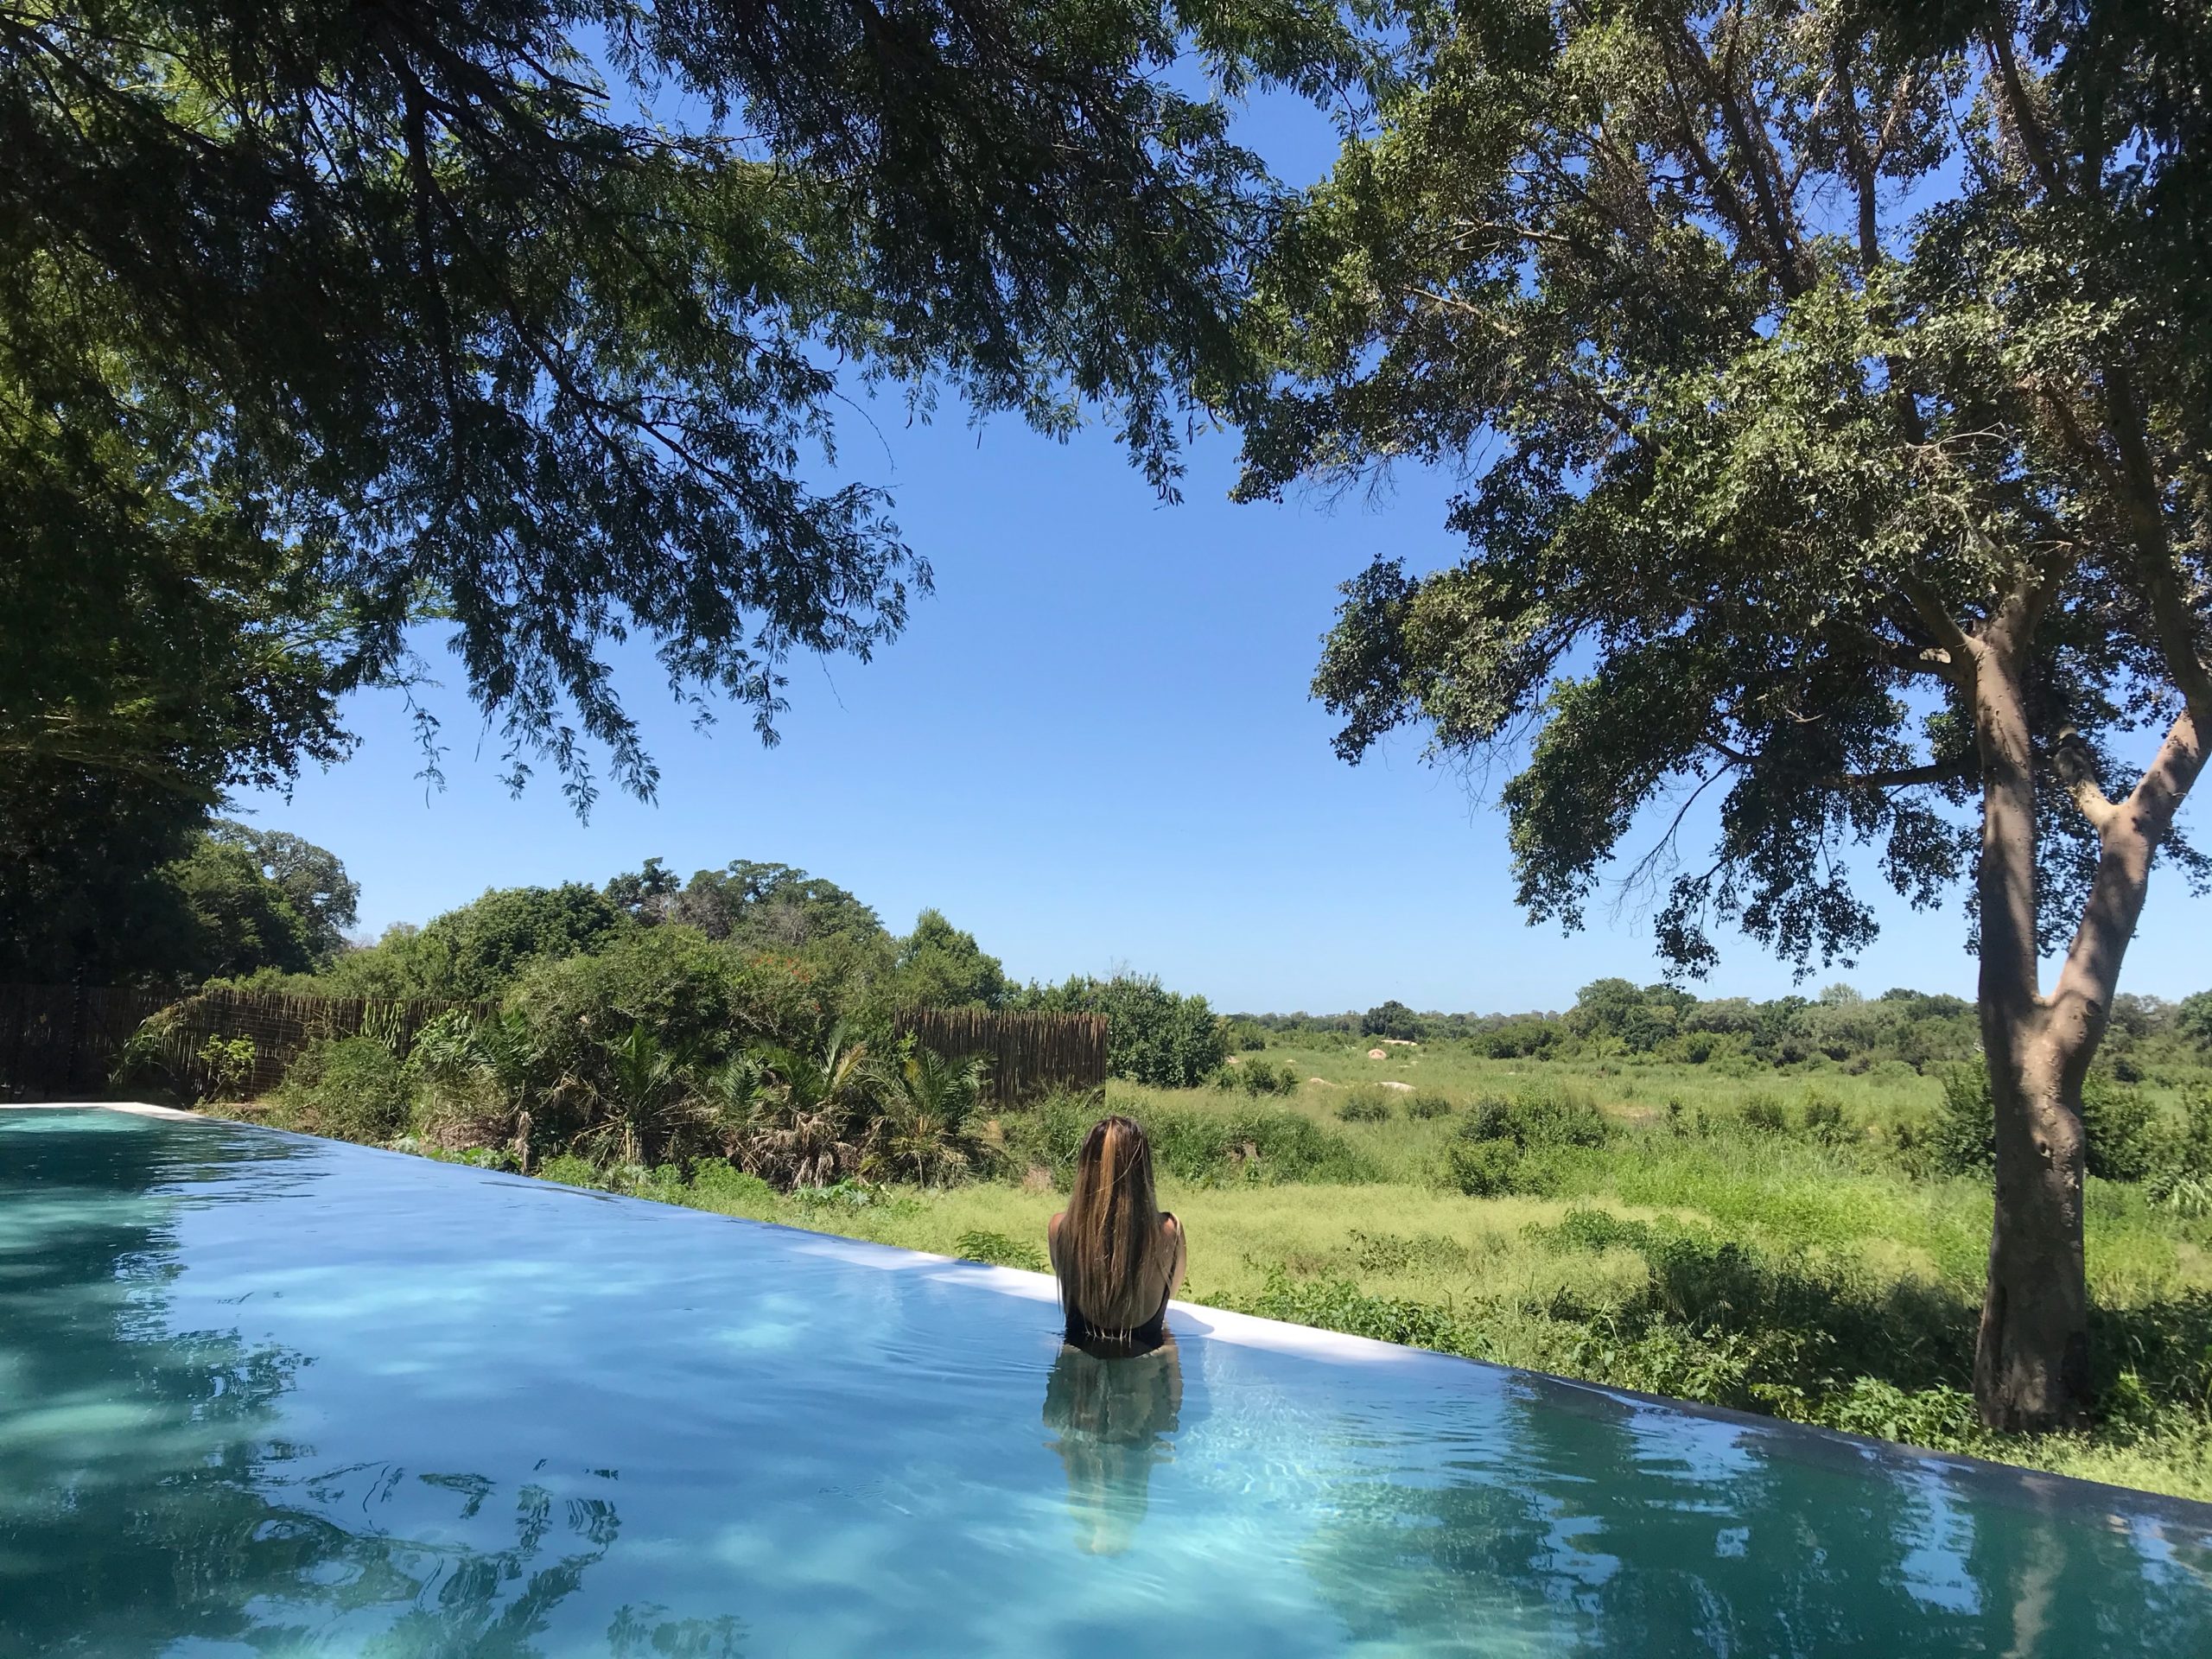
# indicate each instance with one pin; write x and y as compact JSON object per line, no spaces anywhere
{"x":1117,"y":1255}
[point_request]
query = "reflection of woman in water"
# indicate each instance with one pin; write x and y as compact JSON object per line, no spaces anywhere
{"x":1114,"y":1415}
{"x":1118,"y":1257}
{"x":1116,"y":1390}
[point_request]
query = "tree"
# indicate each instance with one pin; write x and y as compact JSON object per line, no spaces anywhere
{"x":940,"y":966}
{"x":314,"y":883}
{"x":231,"y":920}
{"x":529,"y":324}
{"x":1391,"y":1019}
{"x":176,"y":907}
{"x":1831,"y":381}
{"x":1153,"y":1036}
{"x":772,"y":907}
{"x":478,"y":950}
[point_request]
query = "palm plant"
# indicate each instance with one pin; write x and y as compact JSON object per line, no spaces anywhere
{"x":733,"y":1107}
{"x":928,"y":1105}
{"x":648,"y":1097}
{"x":809,"y":1109}
{"x":472,"y":1077}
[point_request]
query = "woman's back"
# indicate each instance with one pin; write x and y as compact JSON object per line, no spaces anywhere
{"x":1118,"y":1257}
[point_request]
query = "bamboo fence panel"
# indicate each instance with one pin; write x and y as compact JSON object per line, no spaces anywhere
{"x":1031,"y":1054}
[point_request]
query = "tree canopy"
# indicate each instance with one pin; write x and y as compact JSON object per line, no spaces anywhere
{"x":179,"y":908}
{"x":530,"y":318}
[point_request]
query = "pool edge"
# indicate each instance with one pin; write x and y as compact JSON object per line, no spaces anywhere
{"x":1252,"y":1329}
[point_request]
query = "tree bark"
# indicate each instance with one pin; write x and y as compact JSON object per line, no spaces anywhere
{"x":2031,"y":1368}
{"x":2031,"y":1358}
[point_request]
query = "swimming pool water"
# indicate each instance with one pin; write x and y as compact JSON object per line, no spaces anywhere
{"x":267,"y":1396}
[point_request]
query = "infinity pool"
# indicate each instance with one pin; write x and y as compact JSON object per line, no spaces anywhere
{"x":267,"y":1396}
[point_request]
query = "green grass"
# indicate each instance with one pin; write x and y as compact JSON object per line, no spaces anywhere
{"x":1807,"y":1270}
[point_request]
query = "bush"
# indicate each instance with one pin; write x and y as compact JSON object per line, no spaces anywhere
{"x":1962,"y":1139}
{"x":1824,"y":1121}
{"x":1365,"y":1104}
{"x":1153,"y":1036}
{"x":1538,"y":1117}
{"x":1485,"y":1169}
{"x":227,"y":1062}
{"x":1202,"y":1147}
{"x":350,"y":1087}
{"x":717,"y":1177}
{"x":2183,"y":1181}
{"x":1001,"y":1251}
{"x":1256,"y":1076}
{"x":1429,"y":1106}
{"x":2119,"y":1126}
{"x":1762,"y":1112}
{"x":2121,"y":1129}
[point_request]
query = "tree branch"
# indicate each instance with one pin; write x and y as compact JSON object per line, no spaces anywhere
{"x":2082,"y":998}
{"x":2076,"y":769}
{"x":1934,"y":771}
{"x":2025,"y":122}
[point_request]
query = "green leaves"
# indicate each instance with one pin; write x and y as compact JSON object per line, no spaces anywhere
{"x":1778,"y":363}
{"x":317,"y":323}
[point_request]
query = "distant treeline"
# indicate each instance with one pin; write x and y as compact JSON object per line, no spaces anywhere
{"x":1618,"y":1017}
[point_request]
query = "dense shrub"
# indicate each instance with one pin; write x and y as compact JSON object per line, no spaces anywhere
{"x":1153,"y":1036}
{"x":1001,"y":1251}
{"x":1365,"y":1104}
{"x":1485,"y":1169}
{"x":1429,"y":1106}
{"x":1824,"y":1121}
{"x":350,"y":1087}
{"x":478,"y":950}
{"x":1255,"y":1076}
{"x":1512,"y":1145}
{"x":2121,"y":1129}
{"x":1207,"y":1147}
{"x":2120,"y":1126}
{"x":1538,"y":1117}
{"x":1962,"y":1139}
{"x":1762,"y":1112}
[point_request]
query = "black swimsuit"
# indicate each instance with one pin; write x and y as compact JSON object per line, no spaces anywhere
{"x":1082,"y":1334}
{"x":1143,"y":1339}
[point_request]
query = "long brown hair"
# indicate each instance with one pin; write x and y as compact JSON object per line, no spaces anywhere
{"x":1113,"y":1253}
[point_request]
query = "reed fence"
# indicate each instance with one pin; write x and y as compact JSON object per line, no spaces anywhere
{"x":1031,"y":1054}
{"x":58,"y":1041}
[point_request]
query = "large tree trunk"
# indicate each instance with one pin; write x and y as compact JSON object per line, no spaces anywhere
{"x":2031,"y":1360}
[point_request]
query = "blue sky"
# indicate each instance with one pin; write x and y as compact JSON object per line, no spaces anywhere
{"x":1094,"y":748}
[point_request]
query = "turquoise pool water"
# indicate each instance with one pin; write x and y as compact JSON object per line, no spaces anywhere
{"x":266,"y":1395}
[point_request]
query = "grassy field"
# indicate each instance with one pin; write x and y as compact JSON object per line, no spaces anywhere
{"x":1723,"y":1242}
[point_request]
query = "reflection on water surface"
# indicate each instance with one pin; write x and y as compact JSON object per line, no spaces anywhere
{"x":265,"y":1394}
